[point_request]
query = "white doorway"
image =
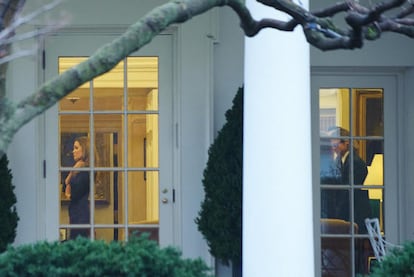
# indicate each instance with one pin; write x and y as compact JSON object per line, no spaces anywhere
{"x":363,"y":106}
{"x":127,"y":116}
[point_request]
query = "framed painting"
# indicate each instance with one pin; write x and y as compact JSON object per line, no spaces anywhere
{"x":369,"y":122}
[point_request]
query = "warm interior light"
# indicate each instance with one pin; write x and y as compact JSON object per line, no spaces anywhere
{"x":375,"y":176}
{"x":73,"y":99}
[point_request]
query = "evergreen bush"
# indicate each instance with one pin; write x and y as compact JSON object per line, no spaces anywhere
{"x":83,"y":257}
{"x":8,"y":214}
{"x":398,"y":262}
{"x":220,"y":216}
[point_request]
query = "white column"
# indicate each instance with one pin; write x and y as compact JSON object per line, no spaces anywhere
{"x":277,"y":212}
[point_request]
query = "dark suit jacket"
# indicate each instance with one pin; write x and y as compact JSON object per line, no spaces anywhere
{"x":335,"y":202}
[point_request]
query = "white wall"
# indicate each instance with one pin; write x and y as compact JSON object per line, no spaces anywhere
{"x":23,"y":153}
{"x":228,"y":77}
{"x":407,"y":129}
{"x":389,"y":50}
{"x":228,"y":64}
{"x":196,"y":126}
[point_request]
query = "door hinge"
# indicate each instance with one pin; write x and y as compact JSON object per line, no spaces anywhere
{"x":173,"y":195}
{"x":43,"y":59}
{"x":44,"y":169}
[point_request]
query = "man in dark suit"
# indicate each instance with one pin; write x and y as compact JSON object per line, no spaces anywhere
{"x":340,"y":199}
{"x":335,"y":203}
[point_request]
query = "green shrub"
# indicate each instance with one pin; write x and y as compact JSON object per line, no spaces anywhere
{"x":83,"y":257}
{"x":398,"y":262}
{"x":8,"y":214}
{"x":220,"y":217}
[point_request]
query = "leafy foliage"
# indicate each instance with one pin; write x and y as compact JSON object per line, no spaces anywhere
{"x":8,"y":214}
{"x":399,"y":262}
{"x":83,"y":257}
{"x":220,"y":217}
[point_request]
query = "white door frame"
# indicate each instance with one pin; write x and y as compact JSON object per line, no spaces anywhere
{"x":337,"y":77}
{"x":49,"y":193}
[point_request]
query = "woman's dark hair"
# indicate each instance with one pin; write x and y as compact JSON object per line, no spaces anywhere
{"x":84,"y":143}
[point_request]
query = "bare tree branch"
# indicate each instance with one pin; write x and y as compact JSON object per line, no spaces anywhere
{"x":22,"y":20}
{"x":19,"y":54}
{"x":364,"y":23}
{"x":8,"y":10}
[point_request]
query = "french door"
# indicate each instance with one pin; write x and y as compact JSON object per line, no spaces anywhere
{"x":354,"y":140}
{"x":126,"y":117}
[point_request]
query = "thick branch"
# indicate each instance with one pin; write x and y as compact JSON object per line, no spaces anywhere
{"x":318,"y":27}
{"x":105,"y":58}
{"x":363,"y":22}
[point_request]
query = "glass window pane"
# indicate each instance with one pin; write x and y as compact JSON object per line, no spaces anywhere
{"x":143,"y":191}
{"x":336,"y":256}
{"x":109,"y":234}
{"x":108,"y":140}
{"x":108,"y":98}
{"x":362,"y":209}
{"x":368,"y":112}
{"x":330,"y":171}
{"x":111,"y":211}
{"x":334,"y":104}
{"x":71,"y":128}
{"x":76,"y":189}
{"x":143,"y":140}
{"x":109,"y":89}
{"x":74,"y":125}
{"x":371,"y":149}
{"x":335,"y":205}
{"x":152,"y":231}
{"x":78,"y":100}
{"x":142,"y":83}
{"x":376,"y":200}
{"x":363,"y":256}
{"x":106,"y":197}
{"x":336,"y":164}
{"x":358,"y":159}
{"x":64,"y":200}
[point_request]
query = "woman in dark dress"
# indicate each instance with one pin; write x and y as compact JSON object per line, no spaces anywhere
{"x":77,"y":188}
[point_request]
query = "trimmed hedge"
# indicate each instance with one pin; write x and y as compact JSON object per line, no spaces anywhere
{"x":8,"y":213}
{"x":83,"y":257}
{"x":220,"y":216}
{"x":398,"y":262}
